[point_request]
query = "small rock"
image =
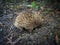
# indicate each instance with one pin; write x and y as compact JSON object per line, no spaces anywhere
{"x":0,"y":23}
{"x":1,"y":15}
{"x":8,"y":16}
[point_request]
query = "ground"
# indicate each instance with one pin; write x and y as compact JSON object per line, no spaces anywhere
{"x":43,"y":35}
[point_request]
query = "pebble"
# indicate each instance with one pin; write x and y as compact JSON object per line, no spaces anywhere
{"x":0,"y":23}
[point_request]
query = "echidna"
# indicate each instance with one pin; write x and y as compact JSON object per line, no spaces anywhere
{"x":28,"y":21}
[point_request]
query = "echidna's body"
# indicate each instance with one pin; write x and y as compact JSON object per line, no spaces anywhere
{"x":28,"y":21}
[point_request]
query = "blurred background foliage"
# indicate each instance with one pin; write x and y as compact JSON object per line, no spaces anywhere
{"x":35,"y":4}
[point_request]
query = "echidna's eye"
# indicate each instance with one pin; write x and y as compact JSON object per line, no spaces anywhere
{"x":25,"y":29}
{"x":34,"y":28}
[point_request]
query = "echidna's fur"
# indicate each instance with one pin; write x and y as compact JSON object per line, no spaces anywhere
{"x":28,"y":21}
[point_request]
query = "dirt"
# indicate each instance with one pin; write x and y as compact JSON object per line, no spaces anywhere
{"x":10,"y":35}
